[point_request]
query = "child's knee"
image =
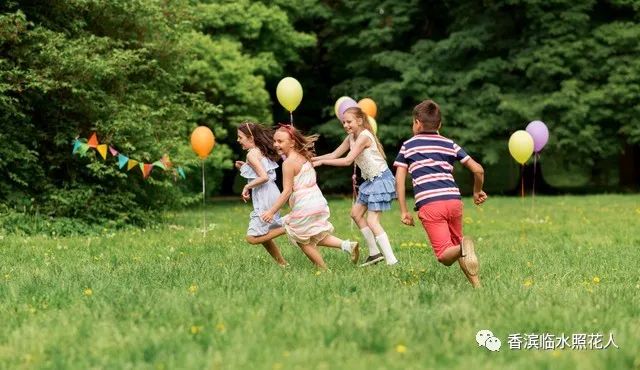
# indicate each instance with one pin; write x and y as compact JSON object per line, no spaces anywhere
{"x":251,"y":239}
{"x":443,"y":260}
{"x":355,"y":215}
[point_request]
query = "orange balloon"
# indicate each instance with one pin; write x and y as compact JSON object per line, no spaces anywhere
{"x":369,"y":107}
{"x":202,"y":141}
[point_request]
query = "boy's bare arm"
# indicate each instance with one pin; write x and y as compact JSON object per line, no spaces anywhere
{"x":401,"y":176}
{"x":479,"y":196}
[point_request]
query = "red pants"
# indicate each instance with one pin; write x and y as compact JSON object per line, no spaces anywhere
{"x":442,"y":220}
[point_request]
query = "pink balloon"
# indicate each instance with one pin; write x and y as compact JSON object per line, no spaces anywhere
{"x":346,"y":104}
{"x":540,"y":134}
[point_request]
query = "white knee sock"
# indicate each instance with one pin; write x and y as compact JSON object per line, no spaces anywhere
{"x":346,"y":246}
{"x":371,"y":241}
{"x":385,"y":246}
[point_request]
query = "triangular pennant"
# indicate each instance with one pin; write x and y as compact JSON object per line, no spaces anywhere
{"x":76,"y":146}
{"x":181,"y":172}
{"x":141,"y":165}
{"x":159,"y":164}
{"x":166,"y":161}
{"x":146,"y":170}
{"x":83,"y":149}
{"x":122,"y":160}
{"x":132,"y":163}
{"x":102,"y":149}
{"x":113,"y":151}
{"x":93,"y":141}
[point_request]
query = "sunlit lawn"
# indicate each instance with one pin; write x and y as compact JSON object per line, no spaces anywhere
{"x":168,"y":298}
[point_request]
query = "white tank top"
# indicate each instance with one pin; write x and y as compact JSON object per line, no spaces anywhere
{"x":370,"y":161}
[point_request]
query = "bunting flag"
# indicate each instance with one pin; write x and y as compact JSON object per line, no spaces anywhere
{"x":81,"y":146}
{"x":77,"y":144}
{"x":122,"y":160}
{"x":132,"y":163}
{"x":102,"y":149}
{"x":146,"y":170}
{"x":93,"y":141}
{"x":159,"y":164}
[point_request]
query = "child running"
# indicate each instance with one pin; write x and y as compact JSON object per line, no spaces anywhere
{"x":307,"y":225}
{"x":260,"y":170}
{"x":429,"y":158}
{"x":376,"y":192}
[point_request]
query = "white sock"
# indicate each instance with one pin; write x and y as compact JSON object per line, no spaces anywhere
{"x":385,"y":246}
{"x":371,"y":241}
{"x":346,"y":246}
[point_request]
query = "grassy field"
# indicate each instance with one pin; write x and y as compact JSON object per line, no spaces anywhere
{"x":167,"y":298}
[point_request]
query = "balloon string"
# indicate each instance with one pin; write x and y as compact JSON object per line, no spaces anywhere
{"x":354,"y":192}
{"x":204,"y":221}
{"x":291,"y":117}
{"x":522,"y":181}
{"x":533,"y":188}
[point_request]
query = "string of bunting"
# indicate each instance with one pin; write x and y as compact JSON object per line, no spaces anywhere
{"x":81,"y":147}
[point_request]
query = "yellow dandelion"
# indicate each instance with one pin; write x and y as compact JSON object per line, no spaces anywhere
{"x":193,"y":289}
{"x":529,"y":264}
{"x":468,"y":220}
{"x":88,"y":292}
{"x":318,"y":273}
{"x":556,"y":353}
{"x":286,"y":354}
{"x":220,"y":327}
{"x":596,"y":280}
{"x":195,"y":329}
{"x":401,"y":348}
{"x":528,"y":282}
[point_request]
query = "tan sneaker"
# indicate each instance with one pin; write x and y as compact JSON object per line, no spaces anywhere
{"x":469,"y":260}
{"x":355,"y":252}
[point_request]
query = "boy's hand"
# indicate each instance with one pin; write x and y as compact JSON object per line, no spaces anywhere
{"x":407,"y":219}
{"x":479,"y":198}
{"x":239,"y":164}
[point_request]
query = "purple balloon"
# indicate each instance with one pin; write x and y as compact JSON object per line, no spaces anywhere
{"x":540,"y":134}
{"x":346,"y":104}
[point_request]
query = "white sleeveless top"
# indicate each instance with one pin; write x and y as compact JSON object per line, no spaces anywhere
{"x":370,"y":161}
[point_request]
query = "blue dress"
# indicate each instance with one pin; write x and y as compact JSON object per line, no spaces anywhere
{"x":262,"y":197}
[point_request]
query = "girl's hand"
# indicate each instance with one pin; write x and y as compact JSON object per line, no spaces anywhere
{"x":239,"y":164}
{"x":407,"y":219}
{"x":246,"y":194}
{"x":317,"y":163}
{"x":267,"y":216}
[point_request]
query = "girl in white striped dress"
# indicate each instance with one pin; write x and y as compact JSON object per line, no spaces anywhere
{"x":307,"y":225}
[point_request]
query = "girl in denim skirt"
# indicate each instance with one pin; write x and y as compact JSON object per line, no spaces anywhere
{"x":376,"y":192}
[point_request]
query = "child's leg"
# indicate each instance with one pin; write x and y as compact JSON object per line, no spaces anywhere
{"x":469,"y":263}
{"x":357,"y":214}
{"x":373,"y":220}
{"x":269,"y":244}
{"x":314,"y":255}
{"x":274,"y":251}
{"x":260,"y":239}
{"x":348,"y":246}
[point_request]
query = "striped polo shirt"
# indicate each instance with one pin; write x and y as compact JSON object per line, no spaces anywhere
{"x":429,"y":158}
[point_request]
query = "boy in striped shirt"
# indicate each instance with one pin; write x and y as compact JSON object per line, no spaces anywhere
{"x":429,"y":158}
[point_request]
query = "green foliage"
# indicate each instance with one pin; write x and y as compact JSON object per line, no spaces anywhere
{"x":142,"y":75}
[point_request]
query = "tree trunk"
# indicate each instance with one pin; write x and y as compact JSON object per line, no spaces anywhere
{"x":629,"y":166}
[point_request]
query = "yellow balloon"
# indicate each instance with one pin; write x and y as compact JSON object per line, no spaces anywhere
{"x":337,"y":105}
{"x":374,"y":125}
{"x":289,"y":93}
{"x":521,"y":146}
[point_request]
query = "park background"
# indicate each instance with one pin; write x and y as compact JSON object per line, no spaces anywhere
{"x":91,"y":253}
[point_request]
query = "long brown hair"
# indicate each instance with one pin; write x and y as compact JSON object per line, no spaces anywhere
{"x":360,"y":114}
{"x":302,"y":144}
{"x":262,"y":136}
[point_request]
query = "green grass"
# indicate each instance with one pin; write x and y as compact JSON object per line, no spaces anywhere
{"x":165,"y":298}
